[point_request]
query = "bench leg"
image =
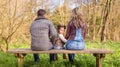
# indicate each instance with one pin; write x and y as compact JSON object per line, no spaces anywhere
{"x":99,"y":59}
{"x":20,"y":58}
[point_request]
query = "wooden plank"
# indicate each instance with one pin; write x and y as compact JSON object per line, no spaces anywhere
{"x":27,"y":50}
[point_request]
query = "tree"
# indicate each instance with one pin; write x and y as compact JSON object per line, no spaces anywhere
{"x":106,"y":13}
{"x":61,"y":15}
{"x":11,"y":26}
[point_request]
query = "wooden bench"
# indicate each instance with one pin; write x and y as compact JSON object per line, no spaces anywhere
{"x":98,"y":53}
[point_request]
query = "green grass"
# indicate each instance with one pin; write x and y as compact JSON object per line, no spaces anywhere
{"x":81,"y":60}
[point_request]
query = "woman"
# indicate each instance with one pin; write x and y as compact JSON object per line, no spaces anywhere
{"x":75,"y":33}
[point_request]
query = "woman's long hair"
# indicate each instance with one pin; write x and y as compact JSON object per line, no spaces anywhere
{"x":77,"y":18}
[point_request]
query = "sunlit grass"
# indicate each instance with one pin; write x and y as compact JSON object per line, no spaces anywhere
{"x":81,"y":60}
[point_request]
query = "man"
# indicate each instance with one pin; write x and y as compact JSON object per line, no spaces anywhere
{"x":41,"y":30}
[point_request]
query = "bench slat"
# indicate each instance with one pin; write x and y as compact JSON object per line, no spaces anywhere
{"x":28,"y":50}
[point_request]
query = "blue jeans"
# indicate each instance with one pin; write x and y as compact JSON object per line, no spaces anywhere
{"x":74,"y":45}
{"x":37,"y":59}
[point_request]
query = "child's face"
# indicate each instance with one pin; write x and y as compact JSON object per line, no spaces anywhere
{"x":61,"y":30}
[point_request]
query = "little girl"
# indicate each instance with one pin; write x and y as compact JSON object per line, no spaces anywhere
{"x":60,"y":42}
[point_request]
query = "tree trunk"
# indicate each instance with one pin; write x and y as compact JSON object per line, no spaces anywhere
{"x":106,"y":13}
{"x":94,"y":20}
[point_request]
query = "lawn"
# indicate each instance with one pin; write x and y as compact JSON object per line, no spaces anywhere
{"x":81,"y":60}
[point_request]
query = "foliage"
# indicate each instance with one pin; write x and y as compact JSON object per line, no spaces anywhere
{"x":17,"y":16}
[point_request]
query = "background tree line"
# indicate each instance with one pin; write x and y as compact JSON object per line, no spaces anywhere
{"x":102,"y":18}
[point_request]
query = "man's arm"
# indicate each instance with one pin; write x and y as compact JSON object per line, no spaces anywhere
{"x":52,"y":30}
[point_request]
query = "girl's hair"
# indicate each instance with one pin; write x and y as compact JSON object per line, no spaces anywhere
{"x":77,"y":17}
{"x":60,"y":26}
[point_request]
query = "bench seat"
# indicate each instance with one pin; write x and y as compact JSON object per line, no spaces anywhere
{"x":98,"y":53}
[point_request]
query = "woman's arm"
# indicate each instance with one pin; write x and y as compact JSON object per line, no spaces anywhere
{"x":84,"y":28}
{"x":68,"y":31}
